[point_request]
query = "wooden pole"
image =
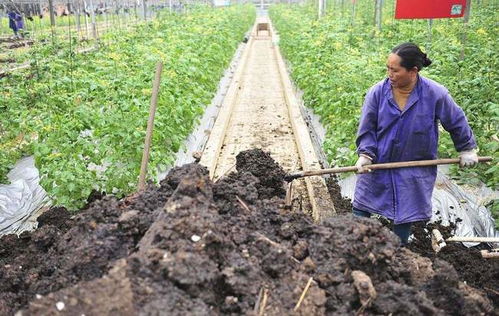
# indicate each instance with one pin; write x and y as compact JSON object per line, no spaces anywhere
{"x":136,"y":14}
{"x":85,"y":18}
{"x":107,"y":21}
{"x":52,"y":20}
{"x":430,"y":37}
{"x":353,"y":12}
{"x":466,"y":18}
{"x":78,"y":21}
{"x":51,"y":10}
{"x":150,"y":126}
{"x":474,"y":239}
{"x":378,"y":16}
{"x":382,"y":166}
{"x":92,"y":15}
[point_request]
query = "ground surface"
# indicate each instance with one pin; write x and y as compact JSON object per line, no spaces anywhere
{"x":196,"y":247}
{"x":260,"y":118}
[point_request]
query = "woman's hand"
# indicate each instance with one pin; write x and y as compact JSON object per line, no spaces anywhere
{"x":468,"y":158}
{"x":362,"y":162}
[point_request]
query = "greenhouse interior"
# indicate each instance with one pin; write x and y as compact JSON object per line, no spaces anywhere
{"x":249,"y":157}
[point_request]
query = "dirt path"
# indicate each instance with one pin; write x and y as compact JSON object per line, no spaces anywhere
{"x":260,"y":117}
{"x":261,"y":112}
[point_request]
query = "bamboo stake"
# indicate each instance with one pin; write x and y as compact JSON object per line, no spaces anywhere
{"x":150,"y":126}
{"x":303,"y":294}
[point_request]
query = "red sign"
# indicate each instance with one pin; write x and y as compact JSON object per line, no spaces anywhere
{"x":429,"y":9}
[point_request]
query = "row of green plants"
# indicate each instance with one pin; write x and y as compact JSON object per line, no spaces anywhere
{"x":84,"y":116}
{"x":65,"y":30}
{"x":35,"y":24}
{"x":336,"y":58}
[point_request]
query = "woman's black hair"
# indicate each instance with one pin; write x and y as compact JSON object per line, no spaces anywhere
{"x":411,"y":56}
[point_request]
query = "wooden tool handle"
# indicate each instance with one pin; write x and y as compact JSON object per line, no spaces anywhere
{"x":489,"y":255}
{"x":474,"y":239}
{"x":381,"y":166}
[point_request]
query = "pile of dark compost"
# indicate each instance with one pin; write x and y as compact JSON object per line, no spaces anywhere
{"x":194,"y":247}
{"x":468,"y":262}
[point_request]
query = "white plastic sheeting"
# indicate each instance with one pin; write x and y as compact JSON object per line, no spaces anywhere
{"x":452,"y":204}
{"x":22,"y":200}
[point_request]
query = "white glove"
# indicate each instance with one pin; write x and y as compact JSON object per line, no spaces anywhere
{"x":364,"y":160}
{"x":469,"y":158}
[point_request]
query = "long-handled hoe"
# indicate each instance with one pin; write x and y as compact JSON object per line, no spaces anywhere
{"x":380,"y":166}
{"x":391,"y":165}
{"x":438,"y":241}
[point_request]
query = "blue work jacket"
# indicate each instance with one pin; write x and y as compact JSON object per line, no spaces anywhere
{"x":388,"y":134}
{"x":13,"y":21}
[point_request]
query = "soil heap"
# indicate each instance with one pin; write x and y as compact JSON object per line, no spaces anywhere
{"x":194,"y":247}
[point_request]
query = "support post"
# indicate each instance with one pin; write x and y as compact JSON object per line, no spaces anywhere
{"x":92,"y":15}
{"x":78,"y":21}
{"x":51,"y":10}
{"x":378,"y":14}
{"x":430,"y":37}
{"x":353,"y":11}
{"x":52,"y":20}
{"x":466,"y":18}
{"x":150,"y":126}
{"x":85,"y":18}
{"x":321,"y":8}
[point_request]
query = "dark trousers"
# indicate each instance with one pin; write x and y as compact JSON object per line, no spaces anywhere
{"x":401,"y":230}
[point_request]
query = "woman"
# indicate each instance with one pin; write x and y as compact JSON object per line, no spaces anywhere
{"x":13,"y":22}
{"x":16,"y":23}
{"x":399,"y":122}
{"x":20,"y":25}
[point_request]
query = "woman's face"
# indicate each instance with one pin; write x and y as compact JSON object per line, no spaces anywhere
{"x":399,"y":76}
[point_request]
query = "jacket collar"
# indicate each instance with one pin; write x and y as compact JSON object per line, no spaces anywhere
{"x":413,"y":97}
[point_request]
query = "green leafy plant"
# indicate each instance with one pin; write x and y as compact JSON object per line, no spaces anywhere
{"x":84,"y":116}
